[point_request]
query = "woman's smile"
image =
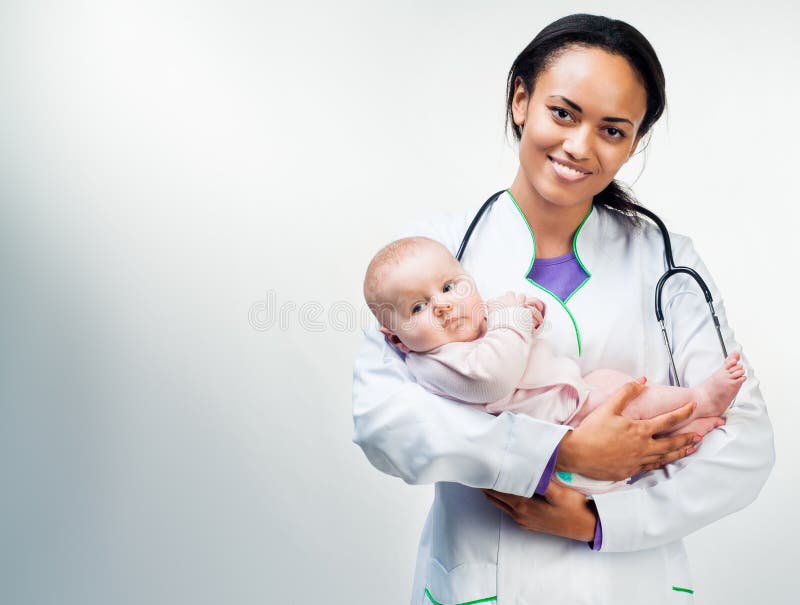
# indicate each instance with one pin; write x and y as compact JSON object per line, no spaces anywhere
{"x":568,"y":171}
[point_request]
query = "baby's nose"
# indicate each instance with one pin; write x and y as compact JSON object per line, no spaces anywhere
{"x":442,"y":305}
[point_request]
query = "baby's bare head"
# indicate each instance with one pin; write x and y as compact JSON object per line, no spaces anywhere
{"x":379,"y":289}
{"x":421,"y":296}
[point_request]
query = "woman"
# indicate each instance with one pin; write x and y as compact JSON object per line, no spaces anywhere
{"x":580,"y":98}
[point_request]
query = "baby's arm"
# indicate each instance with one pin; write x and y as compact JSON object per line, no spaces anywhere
{"x":486,"y":369}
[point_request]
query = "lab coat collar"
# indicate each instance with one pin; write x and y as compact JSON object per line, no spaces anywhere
{"x":598,"y":226}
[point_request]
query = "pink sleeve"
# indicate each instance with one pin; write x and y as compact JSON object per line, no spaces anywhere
{"x":484,"y":370}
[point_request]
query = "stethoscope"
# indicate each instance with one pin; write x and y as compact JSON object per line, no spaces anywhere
{"x":672,"y":269}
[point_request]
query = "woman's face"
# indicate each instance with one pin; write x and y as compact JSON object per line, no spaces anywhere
{"x":579,"y":126}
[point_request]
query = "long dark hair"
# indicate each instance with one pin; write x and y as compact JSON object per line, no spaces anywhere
{"x":613,"y":36}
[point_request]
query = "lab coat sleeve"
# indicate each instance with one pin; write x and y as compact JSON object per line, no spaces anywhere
{"x":420,"y":437}
{"x":729,"y":468}
{"x":484,"y":370}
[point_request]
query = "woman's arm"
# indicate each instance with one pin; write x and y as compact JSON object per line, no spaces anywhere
{"x":734,"y":461}
{"x":420,"y":437}
{"x":591,"y":448}
{"x":725,"y":474}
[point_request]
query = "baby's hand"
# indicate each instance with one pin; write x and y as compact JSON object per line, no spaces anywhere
{"x":537,"y":311}
{"x":509,"y":299}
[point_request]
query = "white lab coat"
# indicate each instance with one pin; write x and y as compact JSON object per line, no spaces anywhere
{"x":469,"y":549}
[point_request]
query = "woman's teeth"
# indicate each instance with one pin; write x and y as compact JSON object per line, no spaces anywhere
{"x":566,"y":170}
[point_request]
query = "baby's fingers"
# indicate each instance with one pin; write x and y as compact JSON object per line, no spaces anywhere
{"x":535,"y":303}
{"x":537,"y":318}
{"x":509,"y":299}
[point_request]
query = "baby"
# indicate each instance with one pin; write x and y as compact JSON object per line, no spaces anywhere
{"x":460,"y":347}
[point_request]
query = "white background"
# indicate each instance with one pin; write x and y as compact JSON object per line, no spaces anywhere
{"x":165,"y":165}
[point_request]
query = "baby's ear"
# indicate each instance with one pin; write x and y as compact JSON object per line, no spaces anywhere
{"x":393,"y":340}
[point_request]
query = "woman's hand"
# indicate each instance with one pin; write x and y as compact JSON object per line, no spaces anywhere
{"x":561,"y":512}
{"x":612,"y":447}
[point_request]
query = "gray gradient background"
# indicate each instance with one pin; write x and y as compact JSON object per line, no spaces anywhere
{"x":164,"y":165}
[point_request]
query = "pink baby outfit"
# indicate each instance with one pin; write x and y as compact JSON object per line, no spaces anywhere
{"x":509,"y":370}
{"x":506,"y":370}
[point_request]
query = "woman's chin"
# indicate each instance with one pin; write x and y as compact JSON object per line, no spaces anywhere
{"x":565,"y":197}
{"x":571,"y":201}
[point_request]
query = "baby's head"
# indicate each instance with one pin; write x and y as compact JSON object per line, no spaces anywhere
{"x":422,"y":297}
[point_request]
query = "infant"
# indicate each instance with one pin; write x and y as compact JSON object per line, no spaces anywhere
{"x":485,"y":353}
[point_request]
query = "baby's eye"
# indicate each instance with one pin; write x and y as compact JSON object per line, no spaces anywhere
{"x":449,"y":286}
{"x":417,"y":307}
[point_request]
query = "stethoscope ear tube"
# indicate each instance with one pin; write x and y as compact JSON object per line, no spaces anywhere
{"x":475,"y":222}
{"x":673,"y":270}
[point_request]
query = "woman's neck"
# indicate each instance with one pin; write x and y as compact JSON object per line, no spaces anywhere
{"x":553,"y":226}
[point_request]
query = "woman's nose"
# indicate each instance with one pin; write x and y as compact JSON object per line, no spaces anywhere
{"x":578,"y":144}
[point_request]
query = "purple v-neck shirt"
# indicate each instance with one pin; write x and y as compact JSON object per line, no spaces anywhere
{"x":561,"y":275}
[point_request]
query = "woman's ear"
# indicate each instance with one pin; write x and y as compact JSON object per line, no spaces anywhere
{"x":393,"y":340}
{"x":519,"y":102}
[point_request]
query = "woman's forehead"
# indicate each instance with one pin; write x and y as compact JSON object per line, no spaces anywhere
{"x":598,"y":81}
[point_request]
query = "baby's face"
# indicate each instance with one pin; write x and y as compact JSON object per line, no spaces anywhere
{"x":433,"y":301}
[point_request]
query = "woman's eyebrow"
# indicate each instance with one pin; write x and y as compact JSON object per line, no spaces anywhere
{"x":578,"y":108}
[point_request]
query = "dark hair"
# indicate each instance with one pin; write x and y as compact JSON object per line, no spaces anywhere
{"x":613,"y":36}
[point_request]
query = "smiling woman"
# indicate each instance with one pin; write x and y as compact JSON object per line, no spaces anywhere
{"x":580,"y":98}
{"x":575,"y":131}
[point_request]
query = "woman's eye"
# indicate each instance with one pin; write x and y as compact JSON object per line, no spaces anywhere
{"x":615,"y":133}
{"x":561,"y":113}
{"x":449,"y":286}
{"x":417,"y":308}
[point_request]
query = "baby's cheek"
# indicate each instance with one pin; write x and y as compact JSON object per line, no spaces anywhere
{"x":475,"y":327}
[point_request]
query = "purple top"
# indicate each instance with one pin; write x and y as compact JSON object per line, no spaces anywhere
{"x":547,"y":474}
{"x":562,"y":275}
